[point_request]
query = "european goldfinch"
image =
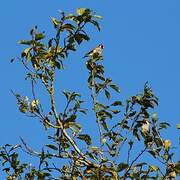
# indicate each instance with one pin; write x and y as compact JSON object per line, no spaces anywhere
{"x":95,"y":51}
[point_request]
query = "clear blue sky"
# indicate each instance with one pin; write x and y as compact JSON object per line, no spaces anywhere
{"x":142,"y":43}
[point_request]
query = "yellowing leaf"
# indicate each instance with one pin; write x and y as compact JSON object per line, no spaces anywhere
{"x":103,"y":141}
{"x":178,"y":126}
{"x":55,"y":21}
{"x":167,"y":144}
{"x":172,"y":175}
{"x":81,"y":11}
{"x":98,"y":16}
{"x":34,"y":103}
{"x":26,"y":52}
{"x":153,"y":168}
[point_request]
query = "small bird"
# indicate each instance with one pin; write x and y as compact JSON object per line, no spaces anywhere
{"x":96,"y":51}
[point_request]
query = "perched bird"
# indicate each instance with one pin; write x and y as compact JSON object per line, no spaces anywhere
{"x":95,"y":51}
{"x":145,"y":126}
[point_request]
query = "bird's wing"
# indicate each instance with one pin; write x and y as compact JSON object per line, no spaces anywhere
{"x":87,"y":54}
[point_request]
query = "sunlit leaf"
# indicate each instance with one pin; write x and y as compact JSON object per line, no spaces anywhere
{"x":26,"y":52}
{"x":81,"y":11}
{"x":153,"y":168}
{"x":98,"y":16}
{"x":55,"y":21}
{"x":178,"y":126}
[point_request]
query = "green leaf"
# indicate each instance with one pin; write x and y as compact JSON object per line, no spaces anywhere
{"x":84,"y":111}
{"x":153,"y":168}
{"x":15,"y":147}
{"x":68,"y":27}
{"x":100,"y":77}
{"x":102,"y":106}
{"x":95,"y":149}
{"x":98,"y":16}
{"x":164,"y":125}
{"x":116,"y":111}
{"x":104,"y":124}
{"x":96,"y":24}
{"x":96,"y":107}
{"x":132,"y":113}
{"x":57,"y":64}
{"x":108,"y":114}
{"x":75,"y":127}
{"x":154,"y":117}
{"x":71,"y":46}
{"x":52,"y":147}
{"x":122,"y":166}
{"x":67,"y":94}
{"x":135,"y":134}
{"x":39,"y":36}
{"x":125,"y":126}
{"x":91,"y":155}
{"x":86,"y":138}
{"x":177,"y":168}
{"x":26,"y":52}
{"x":116,"y":88}
{"x":72,"y":118}
{"x":178,"y":126}
{"x":107,"y":94}
{"x":55,"y":21}
{"x":81,"y":11}
{"x":80,"y":37}
{"x":116,"y":103}
{"x":71,"y":17}
{"x":24,"y":42}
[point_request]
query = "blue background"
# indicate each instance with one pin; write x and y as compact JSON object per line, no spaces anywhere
{"x":142,"y":42}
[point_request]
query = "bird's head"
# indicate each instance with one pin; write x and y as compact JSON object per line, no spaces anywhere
{"x":101,"y":46}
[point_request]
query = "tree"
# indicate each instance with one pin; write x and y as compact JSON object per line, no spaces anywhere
{"x":127,"y":131}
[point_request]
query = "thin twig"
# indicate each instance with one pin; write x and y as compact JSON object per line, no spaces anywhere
{"x":137,"y":157}
{"x":28,"y":149}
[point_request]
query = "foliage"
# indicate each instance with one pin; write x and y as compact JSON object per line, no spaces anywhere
{"x":122,"y":126}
